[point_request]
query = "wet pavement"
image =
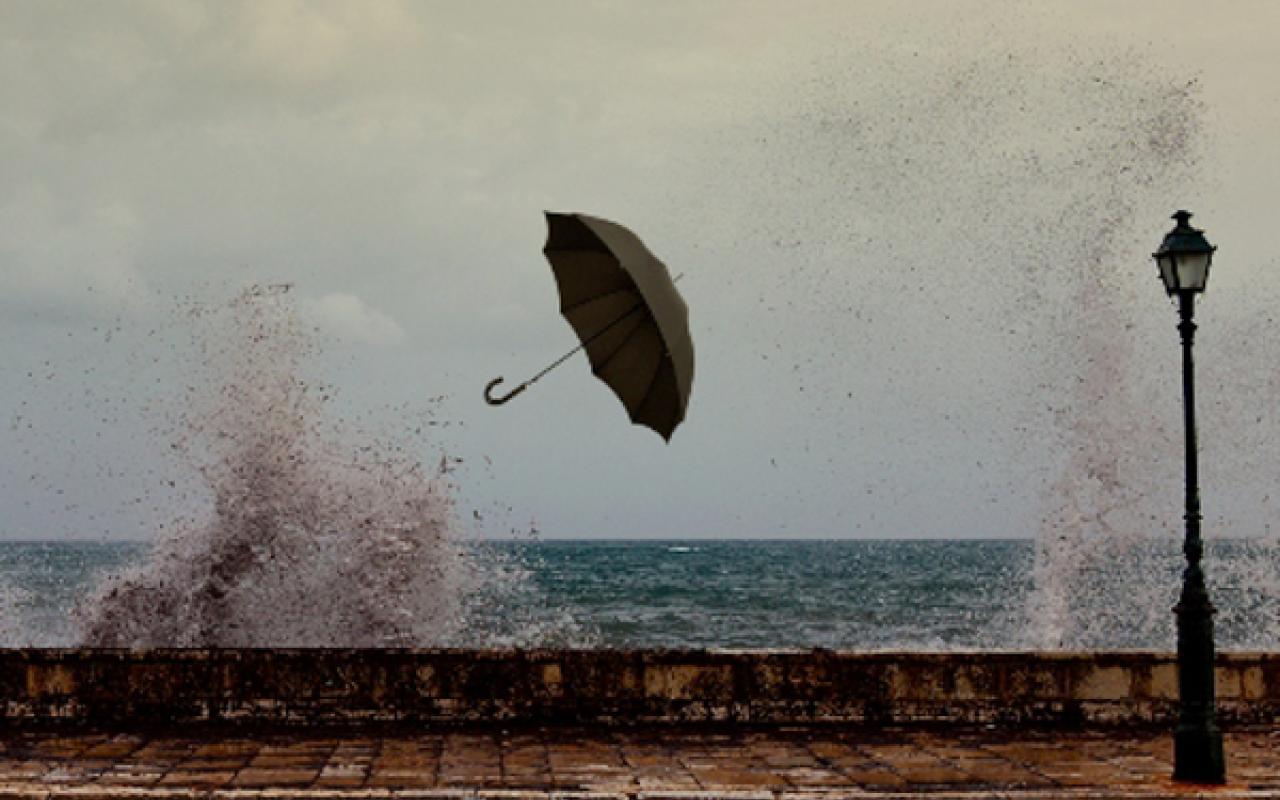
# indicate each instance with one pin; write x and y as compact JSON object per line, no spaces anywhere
{"x":651,"y":763}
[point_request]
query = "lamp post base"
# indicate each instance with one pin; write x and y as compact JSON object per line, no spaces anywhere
{"x":1197,"y":754}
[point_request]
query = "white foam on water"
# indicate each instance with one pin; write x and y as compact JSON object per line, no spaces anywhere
{"x":14,"y":628}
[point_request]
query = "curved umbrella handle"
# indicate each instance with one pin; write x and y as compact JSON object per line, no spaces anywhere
{"x":497,"y":401}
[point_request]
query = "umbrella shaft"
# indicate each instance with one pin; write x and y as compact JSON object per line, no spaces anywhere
{"x":585,"y":342}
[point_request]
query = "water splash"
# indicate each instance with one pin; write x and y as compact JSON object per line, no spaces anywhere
{"x":314,"y":535}
{"x":1101,"y":574}
{"x":15,"y":602}
{"x":1002,"y":199}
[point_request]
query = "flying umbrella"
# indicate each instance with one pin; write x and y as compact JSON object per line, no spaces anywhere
{"x":624,"y":307}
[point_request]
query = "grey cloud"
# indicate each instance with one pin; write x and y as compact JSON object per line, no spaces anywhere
{"x":349,"y":318}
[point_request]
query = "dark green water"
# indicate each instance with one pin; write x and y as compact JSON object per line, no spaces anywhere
{"x":919,"y":595}
{"x":783,"y":594}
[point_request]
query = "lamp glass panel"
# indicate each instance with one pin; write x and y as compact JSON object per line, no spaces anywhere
{"x":1167,"y":274}
{"x":1193,"y":271}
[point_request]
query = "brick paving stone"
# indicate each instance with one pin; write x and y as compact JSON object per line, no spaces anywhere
{"x":420,"y":762}
{"x":346,"y":768}
{"x":258,"y":778}
{"x":700,"y":795}
{"x":663,"y":774}
{"x":201,"y":778}
{"x":458,"y":776}
{"x":594,"y":782}
{"x":137,"y":779}
{"x":297,"y":745}
{"x":811,"y":776}
{"x":1142,"y":765}
{"x":345,"y":784}
{"x":61,"y":748}
{"x":994,"y":771}
{"x":191,"y":764}
{"x":875,"y":778}
{"x":854,"y":762}
{"x":541,"y":782}
{"x":647,"y":757}
{"x":904,"y":752}
{"x":831,"y":750}
{"x":425,"y":754}
{"x":782,"y":759}
{"x":225,"y":749}
{"x":934,"y":775}
{"x":602,"y":788}
{"x":116,"y":747}
{"x":68,"y":774}
{"x":528,"y":762}
{"x":12,"y":768}
{"x":295,"y":761}
{"x":646,"y":786}
{"x":401,"y":778}
{"x":650,"y":780}
{"x":731,"y":778}
{"x":1031,"y":753}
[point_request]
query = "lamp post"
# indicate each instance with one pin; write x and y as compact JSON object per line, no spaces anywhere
{"x":1183,"y":258}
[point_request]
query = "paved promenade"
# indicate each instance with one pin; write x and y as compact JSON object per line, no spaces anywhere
{"x":658,"y":763}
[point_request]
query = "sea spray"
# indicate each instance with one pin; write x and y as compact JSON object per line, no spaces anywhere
{"x":15,"y":604}
{"x":1090,"y":589}
{"x":314,"y":535}
{"x":1104,"y":561}
{"x":991,"y":306}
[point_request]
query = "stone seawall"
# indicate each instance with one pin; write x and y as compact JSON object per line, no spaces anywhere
{"x":322,"y":687}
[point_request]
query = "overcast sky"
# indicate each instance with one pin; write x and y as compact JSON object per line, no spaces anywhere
{"x":915,"y":237}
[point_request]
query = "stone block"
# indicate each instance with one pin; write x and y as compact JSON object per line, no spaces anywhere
{"x":1252,"y":683}
{"x":1103,"y":683}
{"x":688,"y":681}
{"x":55,"y":679}
{"x":552,"y":680}
{"x":1228,"y":682}
{"x":1164,"y":682}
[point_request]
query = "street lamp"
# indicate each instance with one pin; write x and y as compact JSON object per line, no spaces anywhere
{"x":1184,"y":257}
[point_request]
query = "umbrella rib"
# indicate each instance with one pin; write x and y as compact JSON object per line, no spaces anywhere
{"x":652,"y":381}
{"x":648,"y":393}
{"x":590,"y":300}
{"x":613,"y":354}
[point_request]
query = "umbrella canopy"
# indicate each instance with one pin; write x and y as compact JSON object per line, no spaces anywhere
{"x":623,"y":304}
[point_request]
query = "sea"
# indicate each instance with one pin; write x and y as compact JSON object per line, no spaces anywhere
{"x":851,"y":594}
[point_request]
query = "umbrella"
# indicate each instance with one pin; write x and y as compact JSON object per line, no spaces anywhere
{"x":624,"y":307}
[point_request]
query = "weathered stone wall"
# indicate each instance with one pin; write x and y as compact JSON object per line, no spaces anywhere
{"x":282,"y":686}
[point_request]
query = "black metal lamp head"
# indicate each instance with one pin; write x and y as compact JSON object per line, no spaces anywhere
{"x":1184,"y":257}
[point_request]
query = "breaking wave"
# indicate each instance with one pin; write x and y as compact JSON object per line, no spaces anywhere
{"x":315,"y":535}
